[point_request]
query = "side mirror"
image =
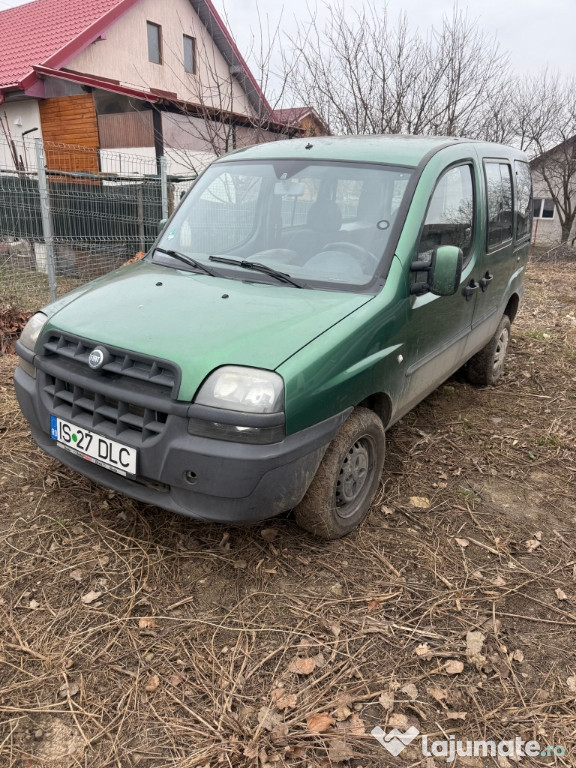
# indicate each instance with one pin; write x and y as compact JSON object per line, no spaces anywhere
{"x":161,"y":225}
{"x":443,"y":271}
{"x":446,"y":273}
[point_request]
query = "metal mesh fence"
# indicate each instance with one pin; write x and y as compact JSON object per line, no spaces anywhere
{"x":70,"y":214}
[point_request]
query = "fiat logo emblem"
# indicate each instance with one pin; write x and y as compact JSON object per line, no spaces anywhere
{"x":96,"y":358}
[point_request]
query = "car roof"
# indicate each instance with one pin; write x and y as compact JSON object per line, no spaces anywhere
{"x":391,"y":149}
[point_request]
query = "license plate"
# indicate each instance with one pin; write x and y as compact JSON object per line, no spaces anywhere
{"x":99,"y":450}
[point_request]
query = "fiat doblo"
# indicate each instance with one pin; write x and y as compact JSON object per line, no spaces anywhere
{"x":302,"y":298}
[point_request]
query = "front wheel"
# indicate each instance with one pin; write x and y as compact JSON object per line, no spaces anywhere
{"x":345,"y":484}
{"x":487,"y":366}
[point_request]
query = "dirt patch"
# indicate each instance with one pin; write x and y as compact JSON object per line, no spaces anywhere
{"x":132,"y":637}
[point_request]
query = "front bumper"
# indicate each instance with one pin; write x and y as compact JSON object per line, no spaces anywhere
{"x":234,"y":483}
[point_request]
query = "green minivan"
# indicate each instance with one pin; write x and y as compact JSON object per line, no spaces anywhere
{"x":302,"y":298}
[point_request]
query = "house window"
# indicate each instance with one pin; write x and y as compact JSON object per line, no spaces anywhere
{"x":543,"y":208}
{"x":154,"y":32}
{"x":189,"y":54}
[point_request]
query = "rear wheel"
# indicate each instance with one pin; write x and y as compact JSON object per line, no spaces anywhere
{"x":487,"y":366}
{"x":345,"y":484}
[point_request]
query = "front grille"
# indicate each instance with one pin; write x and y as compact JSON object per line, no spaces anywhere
{"x":125,"y":364}
{"x":130,"y":397}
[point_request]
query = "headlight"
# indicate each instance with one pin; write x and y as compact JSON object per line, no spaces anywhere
{"x":32,"y":330}
{"x":250,"y":390}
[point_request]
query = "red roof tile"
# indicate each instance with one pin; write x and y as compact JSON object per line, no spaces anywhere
{"x":34,"y":33}
{"x":292,"y":115}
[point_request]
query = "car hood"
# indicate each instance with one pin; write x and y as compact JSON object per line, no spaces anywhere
{"x":197,"y":321}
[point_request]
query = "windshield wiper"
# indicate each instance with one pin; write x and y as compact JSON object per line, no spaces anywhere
{"x":187,"y":260}
{"x":283,"y":277}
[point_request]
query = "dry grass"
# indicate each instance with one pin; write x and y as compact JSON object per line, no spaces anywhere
{"x":186,"y":657}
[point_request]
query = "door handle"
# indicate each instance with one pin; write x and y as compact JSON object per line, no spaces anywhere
{"x":470,"y":289}
{"x":485,"y":281}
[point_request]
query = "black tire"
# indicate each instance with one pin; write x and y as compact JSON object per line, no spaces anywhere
{"x":347,"y":479}
{"x":487,"y":366}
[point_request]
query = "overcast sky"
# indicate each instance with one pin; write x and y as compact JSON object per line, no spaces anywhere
{"x":536,"y":33}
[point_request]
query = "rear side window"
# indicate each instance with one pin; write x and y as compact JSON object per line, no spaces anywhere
{"x":523,"y":199}
{"x":499,"y":192}
{"x":450,"y":216}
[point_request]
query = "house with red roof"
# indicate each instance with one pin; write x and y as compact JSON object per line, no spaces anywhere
{"x":305,"y":119}
{"x":149,"y":77}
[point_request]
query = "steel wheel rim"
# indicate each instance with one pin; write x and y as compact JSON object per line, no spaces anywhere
{"x":500,"y":352}
{"x":353,"y":481}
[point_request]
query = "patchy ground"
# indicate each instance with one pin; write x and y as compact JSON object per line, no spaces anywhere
{"x":132,"y":637}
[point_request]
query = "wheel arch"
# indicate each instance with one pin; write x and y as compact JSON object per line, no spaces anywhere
{"x":512,"y":306}
{"x":381,"y":404}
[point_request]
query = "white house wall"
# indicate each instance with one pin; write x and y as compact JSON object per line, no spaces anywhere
{"x":123,"y":55}
{"x":26,"y":112}
{"x":545,"y":232}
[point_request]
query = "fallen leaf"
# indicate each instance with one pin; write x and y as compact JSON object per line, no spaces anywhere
{"x":538,"y":535}
{"x":498,"y":582}
{"x":76,"y":574}
{"x":386,"y":700}
{"x":69,"y":689}
{"x":251,"y":751}
{"x":269,"y":534}
{"x":438,"y":693}
{"x":374,"y":605}
{"x":356,"y":725}
{"x":330,"y":626}
{"x":560,"y":594}
{"x":456,"y":715}
{"x":398,"y":721}
{"x":517,"y":655}
{"x":153,"y":683}
{"x":34,"y":604}
{"x":336,"y":589}
{"x":420,"y":502}
{"x":267,"y":718}
{"x":279,"y":732}
{"x":424,"y":651}
{"x":474,"y":644}
{"x":462,"y":542}
{"x":453,"y":667}
{"x":342,"y":713}
{"x":339,"y":752}
{"x":320,"y":723}
{"x":531,"y":544}
{"x":302,"y":665}
{"x":410,"y":690}
{"x":571,"y":683}
{"x":282,"y":699}
{"x":175,"y":680}
{"x":147,"y":622}
{"x":320,"y":660}
{"x":89,"y":597}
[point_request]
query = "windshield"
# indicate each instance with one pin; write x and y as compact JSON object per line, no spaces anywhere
{"x":325,"y":224}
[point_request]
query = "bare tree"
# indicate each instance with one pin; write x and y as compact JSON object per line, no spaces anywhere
{"x":544,"y":107}
{"x":367,"y":73}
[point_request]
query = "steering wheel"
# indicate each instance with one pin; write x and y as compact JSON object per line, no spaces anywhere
{"x":353,"y":250}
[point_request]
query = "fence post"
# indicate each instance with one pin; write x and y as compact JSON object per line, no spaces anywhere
{"x":164,"y":186}
{"x":47,"y":231}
